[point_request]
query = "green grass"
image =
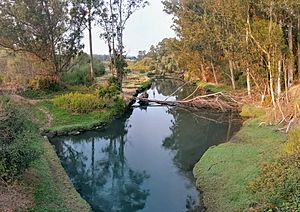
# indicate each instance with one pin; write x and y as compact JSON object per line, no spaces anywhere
{"x":52,"y":191}
{"x":225,"y":171}
{"x":46,"y":180}
{"x":252,"y":111}
{"x":64,"y":121}
{"x":212,"y":88}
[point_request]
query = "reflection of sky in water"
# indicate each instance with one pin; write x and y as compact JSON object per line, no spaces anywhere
{"x":143,"y":161}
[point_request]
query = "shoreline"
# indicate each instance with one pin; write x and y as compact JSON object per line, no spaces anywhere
{"x":224,"y":172}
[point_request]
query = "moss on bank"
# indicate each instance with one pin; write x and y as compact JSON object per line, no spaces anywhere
{"x":225,"y":171}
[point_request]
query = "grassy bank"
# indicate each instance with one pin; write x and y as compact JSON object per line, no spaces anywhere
{"x":44,"y":186}
{"x":64,"y":121}
{"x":225,"y":171}
{"x":52,"y":189}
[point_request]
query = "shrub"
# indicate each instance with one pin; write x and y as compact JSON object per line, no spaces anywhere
{"x":118,"y":106}
{"x":80,"y":73}
{"x":113,"y":81}
{"x":1,"y":80}
{"x":108,"y":91}
{"x":17,"y":149}
{"x":79,"y":103}
{"x":44,"y":83}
{"x":77,"y":76}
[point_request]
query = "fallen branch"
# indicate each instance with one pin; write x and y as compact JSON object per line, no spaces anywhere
{"x":216,"y":101}
{"x":176,"y":91}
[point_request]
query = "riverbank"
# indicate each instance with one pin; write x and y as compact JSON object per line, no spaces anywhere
{"x":225,"y":172}
{"x":45,"y":186}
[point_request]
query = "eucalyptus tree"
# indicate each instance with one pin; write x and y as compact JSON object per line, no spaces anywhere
{"x":114,"y":15}
{"x":49,"y":29}
{"x":89,"y":13}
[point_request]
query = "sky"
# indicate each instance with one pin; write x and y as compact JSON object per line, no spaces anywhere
{"x":146,"y":27}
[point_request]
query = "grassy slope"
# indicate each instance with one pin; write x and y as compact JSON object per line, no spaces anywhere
{"x":63,"y":121}
{"x":53,"y":191}
{"x":224,"y":172}
{"x":46,"y":178}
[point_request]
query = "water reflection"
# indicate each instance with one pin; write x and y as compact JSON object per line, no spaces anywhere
{"x":99,"y":170}
{"x":143,"y":162}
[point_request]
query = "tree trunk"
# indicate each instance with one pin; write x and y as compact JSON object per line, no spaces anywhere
{"x":203,"y":74}
{"x":232,"y":74}
{"x":214,"y":73}
{"x":271,"y":84}
{"x":279,"y":77}
{"x":248,"y":82}
{"x":92,"y":73}
{"x":247,"y":43}
{"x":291,"y":61}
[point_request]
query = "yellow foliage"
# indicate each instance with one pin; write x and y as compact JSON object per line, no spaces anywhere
{"x":293,"y":144}
{"x":79,"y":103}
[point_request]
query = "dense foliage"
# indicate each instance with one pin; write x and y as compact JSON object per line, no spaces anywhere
{"x":79,"y":103}
{"x":245,"y":43}
{"x":50,"y":30}
{"x":79,"y":72}
{"x":17,"y":142}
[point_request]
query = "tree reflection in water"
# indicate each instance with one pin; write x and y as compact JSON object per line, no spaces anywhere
{"x":205,"y":129}
{"x":167,"y":142}
{"x":103,"y":177}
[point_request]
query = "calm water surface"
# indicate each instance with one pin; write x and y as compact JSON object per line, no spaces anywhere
{"x":144,"y":161}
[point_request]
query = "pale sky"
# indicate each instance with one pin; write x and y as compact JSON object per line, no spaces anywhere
{"x":146,"y":27}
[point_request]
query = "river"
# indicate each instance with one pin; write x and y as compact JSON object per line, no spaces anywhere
{"x":144,"y":160}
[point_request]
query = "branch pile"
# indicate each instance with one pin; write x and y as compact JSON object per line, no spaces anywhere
{"x":217,"y":101}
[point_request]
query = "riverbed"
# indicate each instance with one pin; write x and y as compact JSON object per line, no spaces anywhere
{"x":143,"y":161}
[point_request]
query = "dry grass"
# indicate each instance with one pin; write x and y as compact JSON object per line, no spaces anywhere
{"x":14,"y":198}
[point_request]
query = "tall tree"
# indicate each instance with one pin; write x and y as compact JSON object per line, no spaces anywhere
{"x":49,"y":29}
{"x":88,"y":10}
{"x":113,"y":18}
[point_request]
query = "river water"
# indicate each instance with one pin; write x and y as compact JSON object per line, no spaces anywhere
{"x":144,"y":160}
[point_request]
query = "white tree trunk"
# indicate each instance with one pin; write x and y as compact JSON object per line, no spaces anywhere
{"x":291,"y":61}
{"x":232,"y":74}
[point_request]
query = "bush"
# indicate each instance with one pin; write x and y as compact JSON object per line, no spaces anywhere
{"x":118,"y":106}
{"x":108,"y":91}
{"x":44,"y":83}
{"x":80,"y":103}
{"x":17,"y":149}
{"x":113,"y":81}
{"x":77,"y":76}
{"x":80,"y":73}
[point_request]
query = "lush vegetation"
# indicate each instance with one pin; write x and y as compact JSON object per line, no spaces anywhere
{"x":79,"y":73}
{"x":79,"y":103}
{"x":22,"y":148}
{"x":17,"y":143}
